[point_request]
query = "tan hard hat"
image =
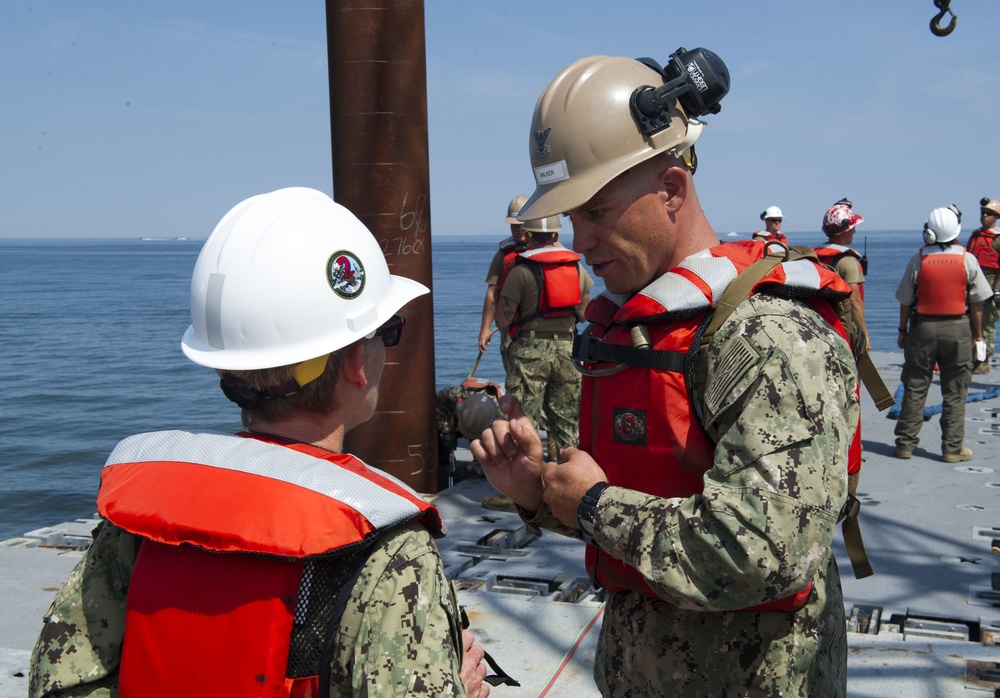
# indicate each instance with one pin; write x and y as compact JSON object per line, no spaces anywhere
{"x":513,"y":207}
{"x":583,"y":134}
{"x":991,"y":205}
{"x":549,"y":224}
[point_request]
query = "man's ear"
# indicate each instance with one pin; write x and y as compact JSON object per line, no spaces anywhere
{"x":352,"y":366}
{"x":674,"y":182}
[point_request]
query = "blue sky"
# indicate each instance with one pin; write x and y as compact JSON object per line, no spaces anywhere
{"x":139,"y":118}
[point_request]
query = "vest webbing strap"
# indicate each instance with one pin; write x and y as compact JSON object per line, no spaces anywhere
{"x":591,"y":350}
{"x":737,"y":292}
{"x":873,"y":383}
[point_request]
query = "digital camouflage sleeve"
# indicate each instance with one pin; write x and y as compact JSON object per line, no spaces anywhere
{"x":783,"y":416}
{"x":400,"y":634}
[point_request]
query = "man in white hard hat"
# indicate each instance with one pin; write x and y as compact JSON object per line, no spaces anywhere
{"x":839,"y":224}
{"x":709,"y":508}
{"x":496,"y":276}
{"x":269,"y":561}
{"x":772,"y":218}
{"x":940,"y":299}
{"x":984,"y":244}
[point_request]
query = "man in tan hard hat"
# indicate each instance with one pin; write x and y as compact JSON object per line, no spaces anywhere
{"x":545,"y":296}
{"x":707,"y":493}
{"x":269,"y":561}
{"x":500,"y":266}
{"x":984,"y":244}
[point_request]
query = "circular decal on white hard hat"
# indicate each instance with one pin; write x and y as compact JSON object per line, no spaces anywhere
{"x":346,"y":274}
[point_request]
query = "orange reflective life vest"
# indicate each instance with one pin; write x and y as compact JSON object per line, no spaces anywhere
{"x":770,"y":237}
{"x":942,"y":282}
{"x":510,"y":252}
{"x":556,"y":271}
{"x":981,"y":247}
{"x":201,"y":617}
{"x":641,"y":423}
{"x":830,"y":252}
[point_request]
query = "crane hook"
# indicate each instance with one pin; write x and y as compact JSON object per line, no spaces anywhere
{"x":936,"y":28}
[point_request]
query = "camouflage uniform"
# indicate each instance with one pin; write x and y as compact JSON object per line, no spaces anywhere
{"x":991,"y":314}
{"x":400,"y":633}
{"x":543,"y":378}
{"x":762,"y":526}
{"x":540,"y":371}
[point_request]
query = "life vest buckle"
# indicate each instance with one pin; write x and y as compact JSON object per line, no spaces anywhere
{"x":852,"y":507}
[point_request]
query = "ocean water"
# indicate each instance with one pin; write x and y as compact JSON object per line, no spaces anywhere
{"x":90,"y":352}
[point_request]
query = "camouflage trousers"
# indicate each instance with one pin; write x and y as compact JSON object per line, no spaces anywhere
{"x":991,"y":313}
{"x":543,"y":378}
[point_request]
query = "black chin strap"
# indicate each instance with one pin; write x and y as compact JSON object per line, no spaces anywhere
{"x":247,"y":398}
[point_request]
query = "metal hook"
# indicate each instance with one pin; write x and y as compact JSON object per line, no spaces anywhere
{"x":936,"y":28}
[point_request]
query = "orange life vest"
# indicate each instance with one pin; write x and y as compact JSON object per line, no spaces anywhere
{"x":202,"y":618}
{"x":770,"y":237}
{"x":830,"y":252}
{"x":556,"y":271}
{"x":640,"y":423}
{"x":510,"y":252}
{"x":943,"y":280}
{"x":981,"y":246}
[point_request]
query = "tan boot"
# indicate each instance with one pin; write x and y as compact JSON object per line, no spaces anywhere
{"x":903,"y":453}
{"x":960,"y":457}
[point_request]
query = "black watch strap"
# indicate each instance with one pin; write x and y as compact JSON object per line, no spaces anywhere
{"x":585,"y":511}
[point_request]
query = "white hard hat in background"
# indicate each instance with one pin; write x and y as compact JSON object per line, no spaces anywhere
{"x":285,"y":277}
{"x":771,"y":212}
{"x":943,"y":225}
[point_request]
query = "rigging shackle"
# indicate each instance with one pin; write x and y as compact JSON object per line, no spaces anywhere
{"x":936,"y":28}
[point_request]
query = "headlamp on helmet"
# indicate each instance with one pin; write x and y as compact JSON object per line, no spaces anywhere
{"x":698,"y":79}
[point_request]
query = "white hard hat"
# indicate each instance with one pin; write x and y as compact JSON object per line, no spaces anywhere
{"x":285,"y":277}
{"x":771,"y":212}
{"x":513,"y":207}
{"x":943,"y":225}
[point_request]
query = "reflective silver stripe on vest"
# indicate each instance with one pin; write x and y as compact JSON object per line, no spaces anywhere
{"x":676,"y":293}
{"x":801,"y":273}
{"x":239,"y":454}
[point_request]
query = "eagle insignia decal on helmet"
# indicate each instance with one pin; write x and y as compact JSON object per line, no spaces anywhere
{"x":543,"y":151}
{"x":630,"y":426}
{"x":346,"y":274}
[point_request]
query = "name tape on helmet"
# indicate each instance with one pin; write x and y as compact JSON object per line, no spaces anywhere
{"x":550,"y":174}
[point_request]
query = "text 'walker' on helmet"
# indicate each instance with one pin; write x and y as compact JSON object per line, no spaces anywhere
{"x":513,"y":207}
{"x":840,"y":218}
{"x":286,"y":277}
{"x":549,"y":224}
{"x":943,"y":225}
{"x":771,"y":212}
{"x":602,"y":115}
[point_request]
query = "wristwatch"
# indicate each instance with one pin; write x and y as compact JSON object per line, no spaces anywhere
{"x":585,"y":511}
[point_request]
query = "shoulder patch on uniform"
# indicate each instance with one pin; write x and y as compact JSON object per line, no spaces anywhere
{"x":742,"y":357}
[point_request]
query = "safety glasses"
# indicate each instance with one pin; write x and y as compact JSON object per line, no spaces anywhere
{"x":390,"y":332}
